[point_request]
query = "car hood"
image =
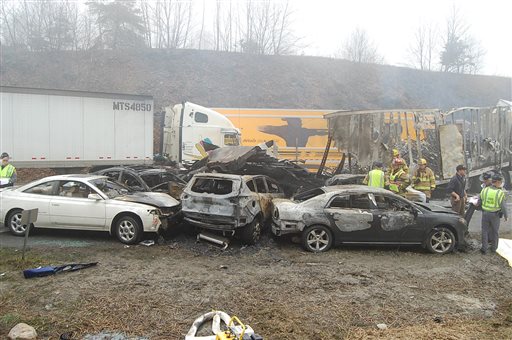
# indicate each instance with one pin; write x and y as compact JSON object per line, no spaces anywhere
{"x":436,"y":208}
{"x":155,"y":199}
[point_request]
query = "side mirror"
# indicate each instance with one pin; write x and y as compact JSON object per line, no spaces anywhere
{"x":95,"y":197}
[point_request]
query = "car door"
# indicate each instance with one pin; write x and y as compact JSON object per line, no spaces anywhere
{"x":38,"y":196}
{"x":265,"y":198}
{"x":351,"y":218}
{"x":394,"y":218}
{"x":72,"y":209}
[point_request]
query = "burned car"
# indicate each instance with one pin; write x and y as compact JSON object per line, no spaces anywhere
{"x":356,"y":214}
{"x":230,"y":204}
{"x":146,"y":179}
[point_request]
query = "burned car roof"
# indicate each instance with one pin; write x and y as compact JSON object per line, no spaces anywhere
{"x":229,"y":176}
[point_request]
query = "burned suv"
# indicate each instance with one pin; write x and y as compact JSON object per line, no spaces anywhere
{"x":231,"y":204}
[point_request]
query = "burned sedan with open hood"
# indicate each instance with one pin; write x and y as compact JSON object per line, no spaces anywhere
{"x":230,"y":204}
{"x":357,"y":214}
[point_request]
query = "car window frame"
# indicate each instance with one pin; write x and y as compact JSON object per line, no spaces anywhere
{"x":360,"y":194}
{"x":328,"y":205}
{"x":91,"y":189}
{"x":271,"y":181}
{"x":264,"y":184}
{"x":54,"y":188}
{"x":143,"y":185}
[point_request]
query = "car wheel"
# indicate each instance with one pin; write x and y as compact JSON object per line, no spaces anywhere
{"x":14,"y":223}
{"x":441,"y":241}
{"x":128,"y":230}
{"x":317,"y":239}
{"x":250,"y":234}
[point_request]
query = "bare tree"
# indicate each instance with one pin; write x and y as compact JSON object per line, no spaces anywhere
{"x":461,"y":52}
{"x":360,"y":48}
{"x":172,"y":21}
{"x":424,"y":47}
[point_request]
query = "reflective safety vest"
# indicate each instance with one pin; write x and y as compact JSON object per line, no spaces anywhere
{"x":376,"y":178}
{"x":7,"y":171}
{"x":427,"y":180}
{"x":395,"y":182}
{"x":492,"y":198}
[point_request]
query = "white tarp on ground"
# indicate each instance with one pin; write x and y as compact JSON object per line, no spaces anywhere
{"x":505,"y":249}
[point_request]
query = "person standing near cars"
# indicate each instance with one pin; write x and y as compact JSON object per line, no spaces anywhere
{"x":492,"y":200}
{"x":376,"y":177}
{"x":457,"y":190}
{"x":423,"y":179}
{"x":7,"y":172}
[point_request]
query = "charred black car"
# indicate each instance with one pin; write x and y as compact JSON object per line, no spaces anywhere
{"x":356,"y":214}
{"x":146,"y":179}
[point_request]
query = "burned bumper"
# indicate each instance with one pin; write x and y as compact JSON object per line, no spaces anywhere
{"x":280,"y":228}
{"x":219,"y":223}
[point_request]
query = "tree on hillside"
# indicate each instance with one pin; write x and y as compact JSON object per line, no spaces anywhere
{"x":360,"y":48}
{"x":119,"y":24}
{"x":461,"y":53}
{"x":423,"y":49}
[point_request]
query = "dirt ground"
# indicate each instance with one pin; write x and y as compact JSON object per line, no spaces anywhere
{"x":280,"y":290}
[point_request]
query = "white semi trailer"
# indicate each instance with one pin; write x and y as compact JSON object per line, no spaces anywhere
{"x":57,"y":128}
{"x":46,"y":128}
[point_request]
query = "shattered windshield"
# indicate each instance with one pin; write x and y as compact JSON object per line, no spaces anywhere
{"x":110,"y":189}
{"x":213,"y":186}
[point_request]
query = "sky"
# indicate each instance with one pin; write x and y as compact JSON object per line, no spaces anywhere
{"x":391,"y":24}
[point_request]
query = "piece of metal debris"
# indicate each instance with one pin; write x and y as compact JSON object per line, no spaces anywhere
{"x":147,"y":243}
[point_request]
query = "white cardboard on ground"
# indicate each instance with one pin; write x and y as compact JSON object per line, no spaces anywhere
{"x":505,"y":249}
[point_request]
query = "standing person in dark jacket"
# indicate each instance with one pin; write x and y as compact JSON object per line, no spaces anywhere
{"x":457,"y":190}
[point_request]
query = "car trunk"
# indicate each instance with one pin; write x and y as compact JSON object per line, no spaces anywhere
{"x":212,"y":196}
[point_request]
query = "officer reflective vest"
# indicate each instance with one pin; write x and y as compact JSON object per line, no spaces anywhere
{"x":492,"y":198}
{"x":394,"y":180}
{"x":427,"y":180}
{"x":7,"y":171}
{"x":376,"y":178}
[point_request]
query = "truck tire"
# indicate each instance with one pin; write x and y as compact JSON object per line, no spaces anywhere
{"x":250,"y":234}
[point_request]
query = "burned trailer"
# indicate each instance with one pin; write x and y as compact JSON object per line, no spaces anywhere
{"x":478,"y":137}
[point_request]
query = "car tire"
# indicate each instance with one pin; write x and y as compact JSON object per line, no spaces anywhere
{"x":14,"y":223}
{"x":441,"y":241}
{"x":317,"y":239}
{"x":251,"y":233}
{"x":128,"y":230}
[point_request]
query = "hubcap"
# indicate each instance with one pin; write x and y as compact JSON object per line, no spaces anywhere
{"x":16,"y":224}
{"x":318,"y":239}
{"x":441,"y":241}
{"x":126,"y":230}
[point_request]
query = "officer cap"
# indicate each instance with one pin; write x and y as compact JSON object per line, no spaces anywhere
{"x":4,"y":155}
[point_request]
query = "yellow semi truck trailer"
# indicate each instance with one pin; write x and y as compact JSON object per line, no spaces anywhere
{"x":300,"y":135}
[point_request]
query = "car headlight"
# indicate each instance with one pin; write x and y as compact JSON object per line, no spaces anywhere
{"x":276,"y":213}
{"x":156,"y":212}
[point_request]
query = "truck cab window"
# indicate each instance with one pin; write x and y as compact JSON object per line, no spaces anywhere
{"x":200,"y":117}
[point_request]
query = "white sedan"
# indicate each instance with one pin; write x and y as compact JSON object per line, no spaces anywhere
{"x":87,"y":202}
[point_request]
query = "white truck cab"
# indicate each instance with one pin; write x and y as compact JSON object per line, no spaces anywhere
{"x":186,"y":125}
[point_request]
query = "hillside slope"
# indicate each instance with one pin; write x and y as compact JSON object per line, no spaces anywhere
{"x":221,"y":79}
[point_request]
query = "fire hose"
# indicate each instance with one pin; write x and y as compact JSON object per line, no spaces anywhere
{"x":235,"y":329}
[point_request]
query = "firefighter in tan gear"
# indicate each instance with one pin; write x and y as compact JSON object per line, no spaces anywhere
{"x":423,"y":179}
{"x":397,"y":178}
{"x":396,"y":155}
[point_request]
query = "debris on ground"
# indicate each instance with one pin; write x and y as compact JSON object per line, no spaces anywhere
{"x":382,"y":326}
{"x":22,"y":331}
{"x":147,"y":243}
{"x":49,"y":270}
{"x":112,"y":336}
